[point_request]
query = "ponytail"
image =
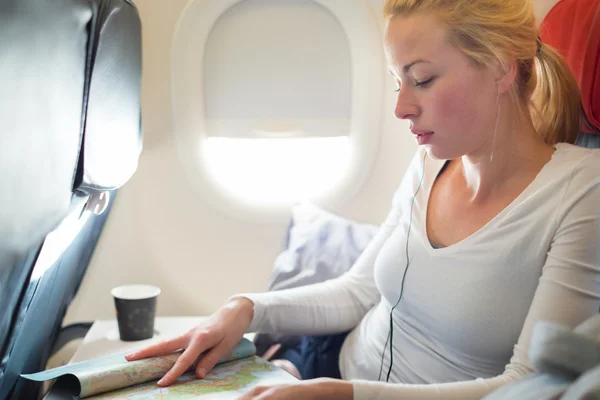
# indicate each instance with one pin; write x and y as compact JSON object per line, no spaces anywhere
{"x":556,"y":99}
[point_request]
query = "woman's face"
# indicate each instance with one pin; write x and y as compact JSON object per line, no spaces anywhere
{"x":450,"y":102}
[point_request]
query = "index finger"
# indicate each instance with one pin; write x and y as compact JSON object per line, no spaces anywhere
{"x":183,"y":363}
{"x":158,"y":349}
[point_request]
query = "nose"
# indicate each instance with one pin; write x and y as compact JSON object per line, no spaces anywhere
{"x":406,"y":106}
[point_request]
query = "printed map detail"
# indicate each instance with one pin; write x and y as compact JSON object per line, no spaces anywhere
{"x":113,"y":372}
{"x":226,"y":381}
{"x":126,"y":374}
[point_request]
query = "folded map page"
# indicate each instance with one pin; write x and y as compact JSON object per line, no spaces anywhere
{"x":114,"y":377}
{"x":227,"y":381}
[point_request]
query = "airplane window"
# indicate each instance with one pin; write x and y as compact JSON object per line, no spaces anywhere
{"x":278,"y":101}
{"x":277,"y":106}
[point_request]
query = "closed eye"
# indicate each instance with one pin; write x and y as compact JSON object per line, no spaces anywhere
{"x":421,"y":84}
{"x":424,"y":83}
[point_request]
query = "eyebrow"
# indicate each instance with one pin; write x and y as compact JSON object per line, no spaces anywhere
{"x":407,"y":67}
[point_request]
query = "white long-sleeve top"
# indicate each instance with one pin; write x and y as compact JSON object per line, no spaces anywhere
{"x":463,"y":326}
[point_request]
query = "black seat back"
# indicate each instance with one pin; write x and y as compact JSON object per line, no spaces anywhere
{"x":69,"y":132}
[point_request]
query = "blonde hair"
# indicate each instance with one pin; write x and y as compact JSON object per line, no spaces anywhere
{"x":492,"y":31}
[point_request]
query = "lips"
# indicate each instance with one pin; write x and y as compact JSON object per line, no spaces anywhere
{"x":416,"y":131}
{"x":422,"y":136}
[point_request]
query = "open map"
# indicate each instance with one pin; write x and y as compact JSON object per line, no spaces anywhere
{"x":112,"y":377}
{"x":226,"y":381}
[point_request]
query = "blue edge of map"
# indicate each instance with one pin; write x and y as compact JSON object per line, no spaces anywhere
{"x":70,"y":384}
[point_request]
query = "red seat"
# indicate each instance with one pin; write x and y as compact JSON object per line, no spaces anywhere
{"x":573,"y":28}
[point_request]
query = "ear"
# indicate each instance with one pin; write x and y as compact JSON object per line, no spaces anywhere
{"x":506,"y":73}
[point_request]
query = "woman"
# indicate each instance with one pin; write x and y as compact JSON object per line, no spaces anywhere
{"x":495,"y":226}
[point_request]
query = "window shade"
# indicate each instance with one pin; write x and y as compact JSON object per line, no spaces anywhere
{"x":277,"y":69}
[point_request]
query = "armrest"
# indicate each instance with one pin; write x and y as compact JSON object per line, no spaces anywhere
{"x":69,"y":333}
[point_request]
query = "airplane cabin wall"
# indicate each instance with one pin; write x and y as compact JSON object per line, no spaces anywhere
{"x":163,"y":232}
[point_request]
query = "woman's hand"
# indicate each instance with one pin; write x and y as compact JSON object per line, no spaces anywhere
{"x":316,"y":389}
{"x":216,"y":336}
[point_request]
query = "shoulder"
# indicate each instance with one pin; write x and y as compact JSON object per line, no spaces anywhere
{"x":574,"y":152}
{"x":423,"y":164}
{"x":579,"y":165}
{"x":575,"y":179}
{"x":419,"y":161}
{"x":419,"y":164}
{"x":417,"y":179}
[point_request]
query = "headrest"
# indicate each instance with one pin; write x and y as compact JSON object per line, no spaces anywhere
{"x":111,"y":135}
{"x":69,"y":110}
{"x":572,"y":27}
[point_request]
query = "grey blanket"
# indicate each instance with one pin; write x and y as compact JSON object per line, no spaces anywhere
{"x":566,"y":363}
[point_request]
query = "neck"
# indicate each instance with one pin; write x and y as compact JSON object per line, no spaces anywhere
{"x":516,"y":152}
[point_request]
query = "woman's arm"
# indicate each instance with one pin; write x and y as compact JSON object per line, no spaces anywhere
{"x":339,"y":304}
{"x":332,"y":306}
